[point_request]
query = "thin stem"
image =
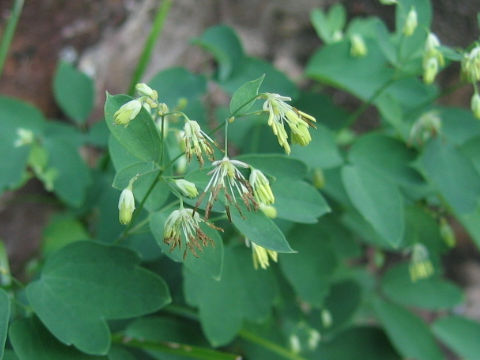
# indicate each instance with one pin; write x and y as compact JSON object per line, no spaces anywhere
{"x":9,"y":32}
{"x":246,"y":335}
{"x":182,"y":350}
{"x":139,"y":225}
{"x":149,"y":44}
{"x":354,"y":116}
{"x":267,"y":344}
{"x":226,"y":137}
{"x":162,"y":147}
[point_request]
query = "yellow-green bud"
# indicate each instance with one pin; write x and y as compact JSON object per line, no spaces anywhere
{"x":411,"y":22}
{"x":187,"y":188}
{"x":162,"y":109}
{"x":471,"y":65}
{"x":126,"y":205}
{"x":446,"y":232}
{"x":145,"y":90}
{"x":327,"y":320}
{"x":261,"y":187}
{"x":420,"y":265}
{"x":475,"y":103}
{"x":127,"y":112}
{"x":358,"y":47}
{"x":318,"y":178}
{"x":269,"y":210}
{"x":430,"y":70}
{"x":24,"y":137}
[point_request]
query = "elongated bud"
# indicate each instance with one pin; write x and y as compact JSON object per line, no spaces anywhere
{"x":145,"y":90}
{"x":420,"y":265}
{"x":411,"y":22}
{"x":127,"y":112}
{"x":430,"y":70}
{"x":187,"y":188}
{"x":318,"y":178}
{"x":388,"y":2}
{"x":358,"y":47}
{"x":126,"y":205}
{"x":24,"y":137}
{"x":446,"y":233}
{"x":261,"y":187}
{"x":475,"y":104}
{"x":471,"y":65}
{"x":269,"y":210}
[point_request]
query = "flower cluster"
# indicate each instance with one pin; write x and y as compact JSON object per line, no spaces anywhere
{"x":280,"y":113}
{"x":185,"y":223}
{"x":227,"y":179}
{"x":432,"y":58}
{"x":129,"y":111}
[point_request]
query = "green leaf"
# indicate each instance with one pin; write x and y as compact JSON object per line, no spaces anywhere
{"x":336,"y":17}
{"x":140,"y":137}
{"x":322,"y":152}
{"x":252,"y":68}
{"x":84,"y":284}
{"x":459,"y":125}
{"x":256,"y":227}
{"x":242,"y":294}
{"x":460,"y":334}
{"x":210,"y":260}
{"x":61,"y":231}
{"x":121,"y":158}
{"x":244,"y":97}
{"x":298,"y":201}
{"x":363,"y":77}
{"x":123,"y":176}
{"x":120,"y":353}
{"x":378,"y":200}
{"x":320,"y":24}
{"x":387,"y":156}
{"x":4,"y":319}
{"x":278,"y":166}
{"x":368,"y":342}
{"x":72,"y":176}
{"x":432,"y":293}
{"x":31,"y":341}
{"x":15,"y":114}
{"x":178,"y":83}
{"x":74,"y":92}
{"x":309,"y":271}
{"x":452,"y":174}
{"x":223,"y":43}
{"x":408,"y":333}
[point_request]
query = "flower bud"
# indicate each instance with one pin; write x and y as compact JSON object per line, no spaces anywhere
{"x":261,"y":256}
{"x":471,"y":65}
{"x":388,"y":2}
{"x":326,"y":318}
{"x":475,"y":104}
{"x":318,"y":178}
{"x":145,"y":90}
{"x":420,"y":265}
{"x":269,"y":210}
{"x":358,"y":47}
{"x":430,"y":70}
{"x":127,"y":112}
{"x":126,"y":205}
{"x":187,"y":188}
{"x":446,"y":233}
{"x":24,"y":137}
{"x":411,"y":22}
{"x":261,"y":187}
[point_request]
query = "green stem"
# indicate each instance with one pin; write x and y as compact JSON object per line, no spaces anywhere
{"x":149,"y":44}
{"x":244,"y":334}
{"x":277,"y":349}
{"x":226,"y":137}
{"x":9,"y":32}
{"x":354,"y":116}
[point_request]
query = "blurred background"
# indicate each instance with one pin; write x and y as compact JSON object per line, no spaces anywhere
{"x":105,"y":38}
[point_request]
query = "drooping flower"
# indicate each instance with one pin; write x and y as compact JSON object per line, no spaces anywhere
{"x":261,"y":187}
{"x":427,"y":126}
{"x":432,"y":58}
{"x":420,"y":265}
{"x":471,"y":65}
{"x":475,"y":105}
{"x":197,"y":142}
{"x":430,"y":70}
{"x":24,"y":137}
{"x":187,"y":188}
{"x":183,"y":226}
{"x":126,"y":205}
{"x":127,"y":112}
{"x":226,"y":178}
{"x":358,"y":48}
{"x":145,"y":90}
{"x":280,"y":113}
{"x":261,"y":256}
